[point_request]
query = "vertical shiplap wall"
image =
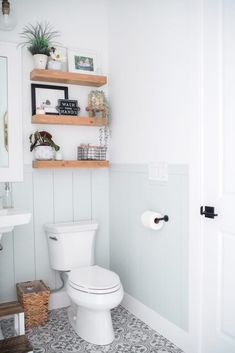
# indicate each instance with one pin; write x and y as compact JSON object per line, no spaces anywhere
{"x":153,"y":265}
{"x":52,"y":196}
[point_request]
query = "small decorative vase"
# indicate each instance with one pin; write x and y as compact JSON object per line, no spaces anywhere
{"x":58,"y":156}
{"x":44,"y":153}
{"x":54,"y":65}
{"x":40,"y":61}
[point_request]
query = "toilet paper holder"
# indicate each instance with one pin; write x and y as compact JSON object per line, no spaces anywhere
{"x":164,"y":218}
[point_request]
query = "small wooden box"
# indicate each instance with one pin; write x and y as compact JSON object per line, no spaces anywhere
{"x":34,"y":296}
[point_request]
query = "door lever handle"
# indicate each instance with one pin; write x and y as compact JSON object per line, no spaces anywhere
{"x":209,"y":212}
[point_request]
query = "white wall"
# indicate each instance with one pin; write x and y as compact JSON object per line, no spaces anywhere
{"x":3,"y":109}
{"x":82,"y":24}
{"x":154,"y":53}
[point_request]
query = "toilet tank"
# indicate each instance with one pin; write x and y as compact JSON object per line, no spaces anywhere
{"x":71,"y":245}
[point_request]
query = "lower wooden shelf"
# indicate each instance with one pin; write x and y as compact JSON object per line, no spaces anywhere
{"x":70,"y":164}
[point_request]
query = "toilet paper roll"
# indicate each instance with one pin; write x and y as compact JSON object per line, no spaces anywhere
{"x":148,"y":217}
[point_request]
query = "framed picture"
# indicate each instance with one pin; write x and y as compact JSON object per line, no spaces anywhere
{"x":81,"y":61}
{"x":46,"y":97}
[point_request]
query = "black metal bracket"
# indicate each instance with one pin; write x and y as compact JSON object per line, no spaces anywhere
{"x":209,"y":212}
{"x":164,"y":218}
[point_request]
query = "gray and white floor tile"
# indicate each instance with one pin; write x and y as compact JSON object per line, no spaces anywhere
{"x":57,"y":336}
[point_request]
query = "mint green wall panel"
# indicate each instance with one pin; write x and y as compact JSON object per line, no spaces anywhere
{"x":24,"y":244}
{"x":82,"y":194}
{"x":43,"y":189}
{"x":153,"y":265}
{"x":100,"y":213}
{"x":63,"y":195}
{"x":119,"y":225}
{"x":51,"y":196}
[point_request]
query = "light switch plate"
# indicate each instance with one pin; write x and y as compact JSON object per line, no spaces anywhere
{"x":158,"y":171}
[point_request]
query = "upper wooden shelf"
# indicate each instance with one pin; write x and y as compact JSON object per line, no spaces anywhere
{"x":68,"y":77}
{"x":68,"y":120}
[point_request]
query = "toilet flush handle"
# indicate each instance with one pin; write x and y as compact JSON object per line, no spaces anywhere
{"x":53,"y":238}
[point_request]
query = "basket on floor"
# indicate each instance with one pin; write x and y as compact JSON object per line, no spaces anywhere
{"x":34,"y":296}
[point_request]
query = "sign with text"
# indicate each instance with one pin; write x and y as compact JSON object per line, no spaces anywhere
{"x":68,"y":107}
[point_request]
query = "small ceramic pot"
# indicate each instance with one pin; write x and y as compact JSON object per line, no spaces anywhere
{"x":40,"y":61}
{"x":54,"y":65}
{"x":58,"y":156}
{"x":44,"y":153}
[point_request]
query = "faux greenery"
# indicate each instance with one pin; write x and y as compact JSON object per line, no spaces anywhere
{"x":98,"y":101}
{"x":38,"y":38}
{"x":42,"y":138}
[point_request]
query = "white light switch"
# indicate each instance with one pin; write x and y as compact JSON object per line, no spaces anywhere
{"x":158,"y":171}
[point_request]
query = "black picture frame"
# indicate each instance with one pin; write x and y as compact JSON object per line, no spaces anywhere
{"x":60,"y":92}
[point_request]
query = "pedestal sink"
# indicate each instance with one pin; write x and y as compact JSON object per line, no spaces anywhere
{"x":9,"y":218}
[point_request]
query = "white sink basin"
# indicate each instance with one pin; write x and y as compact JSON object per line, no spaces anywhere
{"x":9,"y":218}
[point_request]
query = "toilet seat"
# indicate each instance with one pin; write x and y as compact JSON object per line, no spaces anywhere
{"x":94,"y":279}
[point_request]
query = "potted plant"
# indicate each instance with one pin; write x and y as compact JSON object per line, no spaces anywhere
{"x":43,"y":146}
{"x":38,"y":39}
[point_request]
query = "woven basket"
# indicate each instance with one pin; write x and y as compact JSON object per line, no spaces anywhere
{"x":34,"y":296}
{"x":91,"y":153}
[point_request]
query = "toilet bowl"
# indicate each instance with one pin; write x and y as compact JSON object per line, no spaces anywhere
{"x":93,"y":290}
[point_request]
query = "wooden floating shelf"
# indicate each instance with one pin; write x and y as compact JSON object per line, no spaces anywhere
{"x":10,"y":308}
{"x":68,"y":120}
{"x":67,"y":77}
{"x":70,"y":164}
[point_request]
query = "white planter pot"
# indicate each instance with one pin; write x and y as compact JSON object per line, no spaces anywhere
{"x":40,"y":61}
{"x":54,"y":65}
{"x":44,"y":153}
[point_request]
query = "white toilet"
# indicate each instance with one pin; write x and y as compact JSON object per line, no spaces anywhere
{"x":92,"y":289}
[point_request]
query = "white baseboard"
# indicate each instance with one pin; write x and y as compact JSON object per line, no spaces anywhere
{"x":166,"y":328}
{"x":59,"y":300}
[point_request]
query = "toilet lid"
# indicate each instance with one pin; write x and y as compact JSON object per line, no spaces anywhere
{"x":94,"y":279}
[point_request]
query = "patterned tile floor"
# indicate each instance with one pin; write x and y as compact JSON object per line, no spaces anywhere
{"x":131,"y":336}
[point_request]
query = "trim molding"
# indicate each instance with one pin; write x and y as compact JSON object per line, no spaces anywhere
{"x":170,"y":331}
{"x":173,"y":169}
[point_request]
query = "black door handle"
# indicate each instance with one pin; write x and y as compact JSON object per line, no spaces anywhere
{"x":209,"y":212}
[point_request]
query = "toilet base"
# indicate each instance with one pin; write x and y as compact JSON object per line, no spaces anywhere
{"x":93,"y":326}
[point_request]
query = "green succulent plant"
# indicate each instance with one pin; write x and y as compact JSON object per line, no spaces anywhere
{"x":38,"y":38}
{"x":42,"y":138}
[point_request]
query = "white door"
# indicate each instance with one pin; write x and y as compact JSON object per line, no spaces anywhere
{"x":218,"y":305}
